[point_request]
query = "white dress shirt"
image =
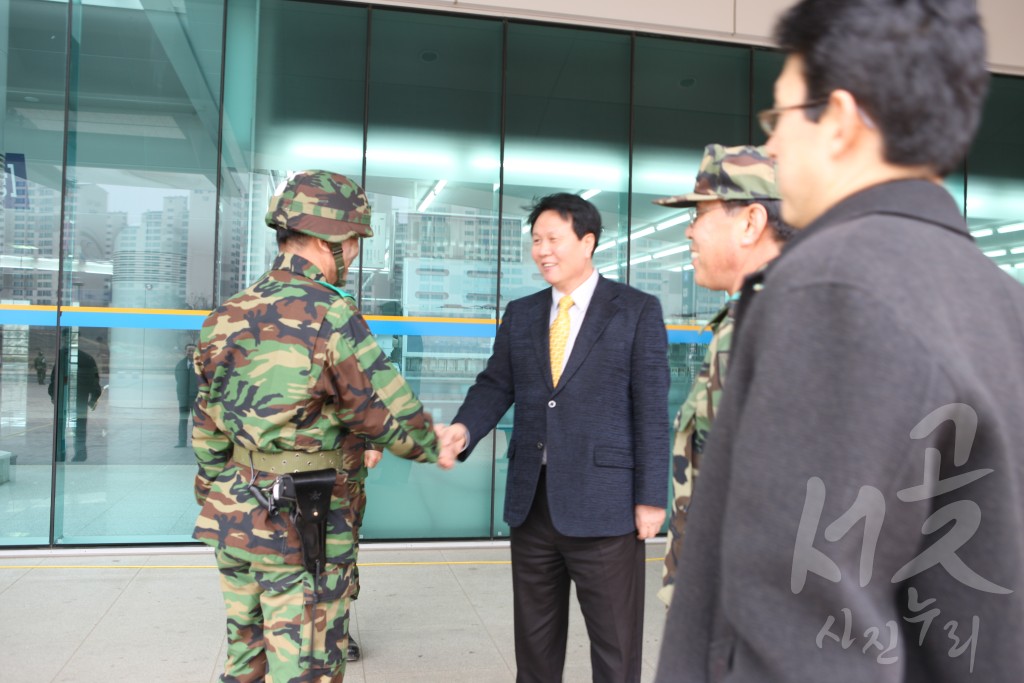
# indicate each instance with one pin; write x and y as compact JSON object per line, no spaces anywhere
{"x":581,"y":297}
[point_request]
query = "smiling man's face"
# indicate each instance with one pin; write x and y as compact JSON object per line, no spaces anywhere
{"x":562,"y":258}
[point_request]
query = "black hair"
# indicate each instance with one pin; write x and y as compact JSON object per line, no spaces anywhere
{"x":915,"y":67}
{"x":583,"y":215}
{"x":286,"y":236}
{"x":781,"y":230}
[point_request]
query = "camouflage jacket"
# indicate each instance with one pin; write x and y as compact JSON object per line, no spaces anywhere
{"x":290,"y":364}
{"x":692,"y":426}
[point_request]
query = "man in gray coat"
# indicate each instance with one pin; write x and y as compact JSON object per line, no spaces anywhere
{"x":861,"y":507}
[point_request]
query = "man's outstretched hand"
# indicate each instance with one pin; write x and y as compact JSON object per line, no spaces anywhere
{"x":452,"y":440}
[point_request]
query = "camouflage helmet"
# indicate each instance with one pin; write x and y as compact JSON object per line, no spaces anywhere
{"x":730,"y":173}
{"x":322,"y":204}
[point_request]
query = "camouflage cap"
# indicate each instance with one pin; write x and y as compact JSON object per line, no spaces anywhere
{"x":322,"y":204}
{"x":729,"y":173}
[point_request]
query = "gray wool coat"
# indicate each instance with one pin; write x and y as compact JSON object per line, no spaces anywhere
{"x":860,"y":510}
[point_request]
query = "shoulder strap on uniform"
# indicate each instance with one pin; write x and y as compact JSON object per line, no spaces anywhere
{"x":713,"y":324}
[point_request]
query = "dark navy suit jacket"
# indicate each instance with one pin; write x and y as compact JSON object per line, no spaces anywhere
{"x":606,"y":424}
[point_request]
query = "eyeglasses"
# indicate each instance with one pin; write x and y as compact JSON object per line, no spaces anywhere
{"x":769,"y":118}
{"x":693,"y":215}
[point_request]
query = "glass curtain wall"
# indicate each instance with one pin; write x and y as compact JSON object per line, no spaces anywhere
{"x":294,"y":101}
{"x":136,"y":180}
{"x":33,"y":46}
{"x":108,"y":245}
{"x":429,"y":274}
{"x":140,"y":196}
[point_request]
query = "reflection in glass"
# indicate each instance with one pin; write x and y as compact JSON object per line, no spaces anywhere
{"x":306,"y":117}
{"x":33,"y":41}
{"x":567,"y":130}
{"x":686,"y":97}
{"x":140,"y":217}
{"x":26,"y":433}
{"x":432,"y":180}
{"x":767,"y":65}
{"x":995,"y":186}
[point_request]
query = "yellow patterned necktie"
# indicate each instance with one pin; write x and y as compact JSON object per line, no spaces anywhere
{"x":558,"y":337}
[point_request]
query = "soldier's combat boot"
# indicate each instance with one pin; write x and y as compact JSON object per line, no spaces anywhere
{"x":353,"y":650}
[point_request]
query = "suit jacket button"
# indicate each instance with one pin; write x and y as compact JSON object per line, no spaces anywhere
{"x":551,"y":404}
{"x":540,"y":445}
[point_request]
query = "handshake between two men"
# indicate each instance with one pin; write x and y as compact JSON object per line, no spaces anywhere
{"x":452,"y":439}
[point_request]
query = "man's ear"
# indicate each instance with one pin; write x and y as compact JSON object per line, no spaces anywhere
{"x":846,"y":121}
{"x":754,"y":224}
{"x":589,"y":239}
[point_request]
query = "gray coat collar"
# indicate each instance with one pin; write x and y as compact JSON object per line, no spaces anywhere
{"x":918,"y":200}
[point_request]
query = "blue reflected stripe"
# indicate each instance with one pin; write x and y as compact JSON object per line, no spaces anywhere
{"x":689,"y":337}
{"x":70,"y":317}
{"x":146,"y":321}
{"x":28,"y":317}
{"x":425,"y":328}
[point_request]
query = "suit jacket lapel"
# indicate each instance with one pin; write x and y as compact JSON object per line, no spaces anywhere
{"x":539,"y":324}
{"x":603,"y":307}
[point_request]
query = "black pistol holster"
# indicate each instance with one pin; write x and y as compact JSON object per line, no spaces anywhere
{"x":311,"y":492}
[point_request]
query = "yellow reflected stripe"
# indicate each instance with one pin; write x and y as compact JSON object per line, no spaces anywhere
{"x":26,"y":307}
{"x":140,"y":311}
{"x":439,"y":563}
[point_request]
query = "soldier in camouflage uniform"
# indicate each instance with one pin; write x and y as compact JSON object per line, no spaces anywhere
{"x":291,"y":380}
{"x":726,"y":246}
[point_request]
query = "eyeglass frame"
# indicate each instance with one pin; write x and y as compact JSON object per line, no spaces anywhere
{"x":693,"y":215}
{"x":727,"y":205}
{"x":768,"y":119}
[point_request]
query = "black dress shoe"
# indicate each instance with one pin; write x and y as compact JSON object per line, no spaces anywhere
{"x":353,"y":650}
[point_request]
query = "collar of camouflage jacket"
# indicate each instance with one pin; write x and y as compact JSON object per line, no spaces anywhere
{"x":294,"y":263}
{"x":712,"y":325}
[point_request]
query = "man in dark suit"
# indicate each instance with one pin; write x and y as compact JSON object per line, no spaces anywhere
{"x":187,"y":384}
{"x":85,"y":377}
{"x":585,"y":363}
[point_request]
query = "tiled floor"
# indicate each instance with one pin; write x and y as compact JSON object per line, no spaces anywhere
{"x":425,"y":614}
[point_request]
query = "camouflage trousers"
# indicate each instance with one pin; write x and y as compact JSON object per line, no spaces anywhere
{"x":682,"y":483}
{"x":278,"y":631}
